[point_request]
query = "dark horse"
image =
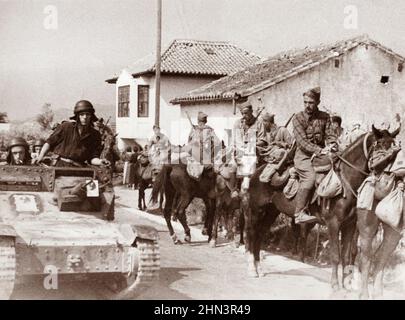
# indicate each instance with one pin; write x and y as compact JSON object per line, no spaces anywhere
{"x":266,"y":203}
{"x":109,"y":152}
{"x":367,"y":224}
{"x":179,"y":189}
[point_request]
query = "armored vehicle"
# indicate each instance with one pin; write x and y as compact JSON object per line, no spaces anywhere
{"x":60,"y":220}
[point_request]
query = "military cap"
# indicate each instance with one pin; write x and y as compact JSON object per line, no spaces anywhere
{"x":314,"y":93}
{"x":268,"y":117}
{"x":245,"y":105}
{"x":202,"y":116}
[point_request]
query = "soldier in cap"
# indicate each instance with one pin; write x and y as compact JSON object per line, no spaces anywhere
{"x":78,"y":142}
{"x":18,"y":152}
{"x":312,"y":132}
{"x":248,"y":132}
{"x":275,"y":134}
{"x":159,"y":146}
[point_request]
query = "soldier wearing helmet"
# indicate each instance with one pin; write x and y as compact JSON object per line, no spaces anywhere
{"x":78,"y":142}
{"x":18,"y":152}
{"x":37,"y":146}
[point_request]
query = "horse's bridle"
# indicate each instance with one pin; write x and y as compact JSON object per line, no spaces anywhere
{"x":366,"y":154}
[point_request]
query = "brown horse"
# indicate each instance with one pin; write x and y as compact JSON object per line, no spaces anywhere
{"x":367,"y":224}
{"x":266,"y":203}
{"x":179,"y":189}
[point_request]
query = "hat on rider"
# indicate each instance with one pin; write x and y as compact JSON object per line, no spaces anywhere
{"x":245,"y":106}
{"x":314,"y":93}
{"x":268,"y":117}
{"x":202,"y":116}
{"x":84,"y":106}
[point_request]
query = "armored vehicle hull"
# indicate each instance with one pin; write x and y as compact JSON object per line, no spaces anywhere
{"x":51,"y":223}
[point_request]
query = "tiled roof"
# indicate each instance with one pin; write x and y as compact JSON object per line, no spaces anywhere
{"x":196,"y":57}
{"x":275,"y":69}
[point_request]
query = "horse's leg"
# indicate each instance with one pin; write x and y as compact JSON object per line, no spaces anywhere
{"x":241,"y":223}
{"x":167,"y":212}
{"x":217,"y":217}
{"x":296,"y":230}
{"x":210,"y":209}
{"x":348,"y":231}
{"x":141,"y":195}
{"x":367,"y":224}
{"x":333,"y":231}
{"x":161,"y":201}
{"x":184,"y":201}
{"x":262,"y":225}
{"x":388,"y":245}
{"x":304,"y":231}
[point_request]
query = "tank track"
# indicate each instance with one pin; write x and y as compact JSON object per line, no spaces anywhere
{"x":148,"y":269}
{"x":7,"y":267}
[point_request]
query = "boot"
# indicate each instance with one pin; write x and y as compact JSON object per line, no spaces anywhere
{"x":232,"y":185}
{"x":300,"y":207}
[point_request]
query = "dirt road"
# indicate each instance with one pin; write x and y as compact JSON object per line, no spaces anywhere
{"x":196,"y":271}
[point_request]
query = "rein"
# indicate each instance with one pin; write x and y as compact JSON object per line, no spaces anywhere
{"x":366,"y":154}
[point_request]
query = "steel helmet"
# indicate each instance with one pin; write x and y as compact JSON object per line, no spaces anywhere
{"x":39,"y":143}
{"x":84,"y":106}
{"x":17,"y":142}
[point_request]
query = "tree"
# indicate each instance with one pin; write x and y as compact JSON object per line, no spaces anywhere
{"x":45,"y":118}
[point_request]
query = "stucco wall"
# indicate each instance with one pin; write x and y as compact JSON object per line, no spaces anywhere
{"x":140,"y":129}
{"x":353,"y":90}
{"x":220,"y":116}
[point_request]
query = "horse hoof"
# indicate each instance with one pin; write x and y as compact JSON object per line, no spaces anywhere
{"x":187,"y":239}
{"x":236,"y":244}
{"x":175,"y":239}
{"x":204,"y":232}
{"x":213,"y":243}
{"x":335,"y":287}
{"x":252,"y":273}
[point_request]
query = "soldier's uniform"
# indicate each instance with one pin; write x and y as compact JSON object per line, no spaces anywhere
{"x":201,"y":140}
{"x":159,"y":147}
{"x":247,"y":134}
{"x":73,"y":148}
{"x":312,"y":132}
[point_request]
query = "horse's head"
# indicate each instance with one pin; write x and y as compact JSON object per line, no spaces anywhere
{"x":384,"y":150}
{"x":155,"y":172}
{"x":384,"y":140}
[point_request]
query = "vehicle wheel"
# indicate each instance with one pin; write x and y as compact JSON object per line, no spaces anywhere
{"x":147,"y":273}
{"x":7,"y":267}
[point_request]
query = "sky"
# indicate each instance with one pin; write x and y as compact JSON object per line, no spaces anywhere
{"x":63,"y":60}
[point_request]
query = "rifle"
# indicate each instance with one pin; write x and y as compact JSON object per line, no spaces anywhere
{"x":108,"y":120}
{"x":189,"y":119}
{"x":289,"y":120}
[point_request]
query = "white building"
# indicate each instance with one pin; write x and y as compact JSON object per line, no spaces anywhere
{"x":360,"y":80}
{"x":185,"y":65}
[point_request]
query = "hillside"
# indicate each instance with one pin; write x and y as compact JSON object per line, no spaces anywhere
{"x":104,"y":111}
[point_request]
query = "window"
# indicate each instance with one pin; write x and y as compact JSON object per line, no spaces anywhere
{"x":143,"y":101}
{"x":123,"y":101}
{"x":385,"y":79}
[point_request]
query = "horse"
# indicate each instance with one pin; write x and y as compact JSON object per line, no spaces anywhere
{"x":367,"y":224}
{"x":266,"y":202}
{"x":180,"y":189}
{"x":225,"y":207}
{"x":109,"y":152}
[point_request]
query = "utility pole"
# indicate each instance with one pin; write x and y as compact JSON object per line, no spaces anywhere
{"x":158,"y":58}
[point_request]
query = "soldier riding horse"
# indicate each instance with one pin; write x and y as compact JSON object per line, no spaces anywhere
{"x":189,"y":173}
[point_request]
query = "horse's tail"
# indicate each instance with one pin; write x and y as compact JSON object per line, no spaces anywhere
{"x":160,"y":183}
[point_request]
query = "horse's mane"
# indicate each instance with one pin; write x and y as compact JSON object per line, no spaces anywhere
{"x":359,"y":140}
